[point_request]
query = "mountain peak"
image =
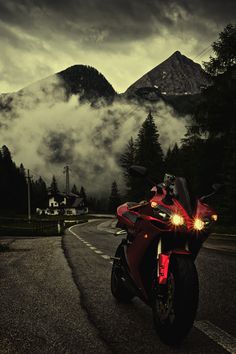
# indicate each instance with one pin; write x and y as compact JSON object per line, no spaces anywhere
{"x":177,"y":75}
{"x":83,"y":78}
{"x":176,"y":54}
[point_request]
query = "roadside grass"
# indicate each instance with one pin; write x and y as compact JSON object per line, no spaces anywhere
{"x":38,"y":226}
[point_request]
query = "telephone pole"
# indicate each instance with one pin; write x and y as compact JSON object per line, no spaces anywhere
{"x":29,"y":196}
{"x":67,"y":173}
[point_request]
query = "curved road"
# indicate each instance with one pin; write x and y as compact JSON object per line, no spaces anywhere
{"x":127,"y":328}
{"x":55,"y":298}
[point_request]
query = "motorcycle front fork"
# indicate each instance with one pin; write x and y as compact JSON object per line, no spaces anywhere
{"x":163,"y":261}
{"x":162,"y":264}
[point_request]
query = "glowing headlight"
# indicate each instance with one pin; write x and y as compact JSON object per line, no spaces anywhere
{"x":177,"y":220}
{"x":198,"y":224}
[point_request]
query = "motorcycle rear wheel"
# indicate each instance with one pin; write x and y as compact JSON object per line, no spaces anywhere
{"x":175,"y":309}
{"x":118,"y":289}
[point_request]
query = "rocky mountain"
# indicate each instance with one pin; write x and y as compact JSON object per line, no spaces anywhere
{"x":178,"y":81}
{"x":177,"y":75}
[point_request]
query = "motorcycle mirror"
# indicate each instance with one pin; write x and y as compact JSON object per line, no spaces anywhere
{"x":216,"y":187}
{"x":157,"y":189}
{"x":138,"y":171}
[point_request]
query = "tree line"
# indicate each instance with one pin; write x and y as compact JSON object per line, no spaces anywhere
{"x":13,"y":187}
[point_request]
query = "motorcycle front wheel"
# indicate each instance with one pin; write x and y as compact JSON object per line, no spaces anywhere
{"x":176,"y":303}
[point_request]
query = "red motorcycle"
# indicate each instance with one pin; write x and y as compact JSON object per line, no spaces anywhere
{"x":155,"y":261}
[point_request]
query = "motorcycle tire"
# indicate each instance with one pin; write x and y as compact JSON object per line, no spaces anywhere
{"x":118,"y":289}
{"x":174,"y":313}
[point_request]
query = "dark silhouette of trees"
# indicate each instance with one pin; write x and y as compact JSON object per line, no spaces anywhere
{"x":225,"y":52}
{"x":114,"y":199}
{"x":148,"y":148}
{"x":54,"y":187}
{"x":74,"y":190}
{"x":145,"y":151}
{"x":127,"y":159}
{"x":83,"y":195}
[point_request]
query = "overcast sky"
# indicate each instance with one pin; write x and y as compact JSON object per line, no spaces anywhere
{"x":121,"y":38}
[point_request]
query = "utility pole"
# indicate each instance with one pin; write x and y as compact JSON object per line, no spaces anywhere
{"x":67,"y":172}
{"x":29,"y":196}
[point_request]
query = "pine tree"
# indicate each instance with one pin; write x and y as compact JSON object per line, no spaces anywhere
{"x":54,"y":188}
{"x":42,"y":194}
{"x":149,"y":154}
{"x":74,"y":190}
{"x":6,"y":155}
{"x":173,"y":163}
{"x":22,"y":170}
{"x":127,"y":159}
{"x":83,"y":195}
{"x":148,"y":148}
{"x":225,"y":52}
{"x":114,"y":199}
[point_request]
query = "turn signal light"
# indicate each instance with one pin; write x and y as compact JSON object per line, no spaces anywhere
{"x":154,"y":204}
{"x":214,"y":217}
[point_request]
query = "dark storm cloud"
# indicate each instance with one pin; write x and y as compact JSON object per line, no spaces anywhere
{"x":122,"y":38}
{"x":112,"y":20}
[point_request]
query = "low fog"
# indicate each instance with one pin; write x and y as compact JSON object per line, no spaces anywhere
{"x":46,"y":133}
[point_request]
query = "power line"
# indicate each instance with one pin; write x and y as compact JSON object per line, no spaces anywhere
{"x":203,"y":52}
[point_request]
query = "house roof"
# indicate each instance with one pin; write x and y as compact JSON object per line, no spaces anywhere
{"x":76,"y":203}
{"x":72,"y":199}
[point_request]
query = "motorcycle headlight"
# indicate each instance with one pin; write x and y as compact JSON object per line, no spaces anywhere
{"x":177,"y":220}
{"x":198,"y":224}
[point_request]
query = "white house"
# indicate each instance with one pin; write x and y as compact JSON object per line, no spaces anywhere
{"x":64,"y":204}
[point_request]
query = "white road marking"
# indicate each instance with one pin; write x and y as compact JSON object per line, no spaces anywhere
{"x":217,"y":334}
{"x":105,"y":256}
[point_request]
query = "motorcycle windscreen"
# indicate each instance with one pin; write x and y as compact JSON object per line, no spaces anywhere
{"x":184,"y":195}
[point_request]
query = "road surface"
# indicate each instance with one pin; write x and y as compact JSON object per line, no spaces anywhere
{"x":55,"y":298}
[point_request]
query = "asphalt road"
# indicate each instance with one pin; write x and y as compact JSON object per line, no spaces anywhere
{"x":40,"y":306}
{"x":128,"y":328}
{"x":55,"y":298}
